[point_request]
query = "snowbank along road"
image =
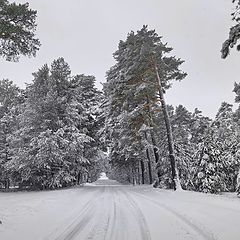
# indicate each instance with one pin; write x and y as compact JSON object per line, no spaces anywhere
{"x":107,"y":210}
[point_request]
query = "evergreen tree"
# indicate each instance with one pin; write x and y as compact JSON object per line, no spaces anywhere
{"x":234,"y":33}
{"x":189,"y":131}
{"x":17,"y":31}
{"x":219,"y":163}
{"x":135,"y":85}
{"x":9,"y":97}
{"x":237,"y":91}
{"x":181,"y":124}
{"x":237,"y":121}
{"x":53,"y":143}
{"x":88,"y":99}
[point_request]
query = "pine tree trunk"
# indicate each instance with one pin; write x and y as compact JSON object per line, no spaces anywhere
{"x":138,"y":177}
{"x":155,"y":150}
{"x":157,"y":158}
{"x":7,"y":184}
{"x":149,"y":167}
{"x":149,"y":164}
{"x":133,"y":176}
{"x":142,"y":171}
{"x":238,"y":183}
{"x":174,"y":171}
{"x":78,"y":177}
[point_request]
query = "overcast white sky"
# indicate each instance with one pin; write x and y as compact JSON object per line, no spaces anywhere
{"x":87,"y":32}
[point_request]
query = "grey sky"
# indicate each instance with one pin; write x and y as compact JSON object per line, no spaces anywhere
{"x":87,"y":32}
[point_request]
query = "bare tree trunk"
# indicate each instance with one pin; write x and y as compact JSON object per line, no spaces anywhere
{"x":174,"y":171}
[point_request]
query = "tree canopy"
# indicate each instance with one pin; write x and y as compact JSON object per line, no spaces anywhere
{"x":17,"y":31}
{"x":234,"y":33}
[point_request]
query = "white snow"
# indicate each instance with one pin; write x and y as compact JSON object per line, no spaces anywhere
{"x":110,"y":211}
{"x":103,"y":176}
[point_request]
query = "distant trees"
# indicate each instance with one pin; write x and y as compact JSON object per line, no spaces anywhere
{"x":17,"y":31}
{"x":234,"y":33}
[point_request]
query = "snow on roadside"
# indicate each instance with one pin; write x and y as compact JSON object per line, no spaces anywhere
{"x":32,"y":215}
{"x":215,"y":217}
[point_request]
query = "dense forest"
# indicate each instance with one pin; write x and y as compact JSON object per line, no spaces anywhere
{"x":207,"y":152}
{"x":62,"y":131}
{"x":49,"y":131}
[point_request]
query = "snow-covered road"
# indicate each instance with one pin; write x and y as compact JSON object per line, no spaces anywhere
{"x":107,"y":210}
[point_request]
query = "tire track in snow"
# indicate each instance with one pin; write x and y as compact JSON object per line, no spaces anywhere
{"x":81,"y":221}
{"x":108,"y":224}
{"x":145,"y":234}
{"x":102,"y":217}
{"x":113,"y":220}
{"x":205,"y":234}
{"x":118,"y":220}
{"x":115,"y":217}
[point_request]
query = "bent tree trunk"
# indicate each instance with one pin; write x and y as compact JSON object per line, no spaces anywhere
{"x":174,"y":171}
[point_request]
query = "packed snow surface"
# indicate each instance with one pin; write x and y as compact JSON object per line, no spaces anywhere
{"x":110,"y":211}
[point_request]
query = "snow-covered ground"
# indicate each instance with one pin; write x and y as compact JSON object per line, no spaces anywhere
{"x":107,"y":210}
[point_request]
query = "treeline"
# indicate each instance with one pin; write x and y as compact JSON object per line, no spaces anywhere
{"x":206,"y":152}
{"x":55,"y":132}
{"x":49,"y":131}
